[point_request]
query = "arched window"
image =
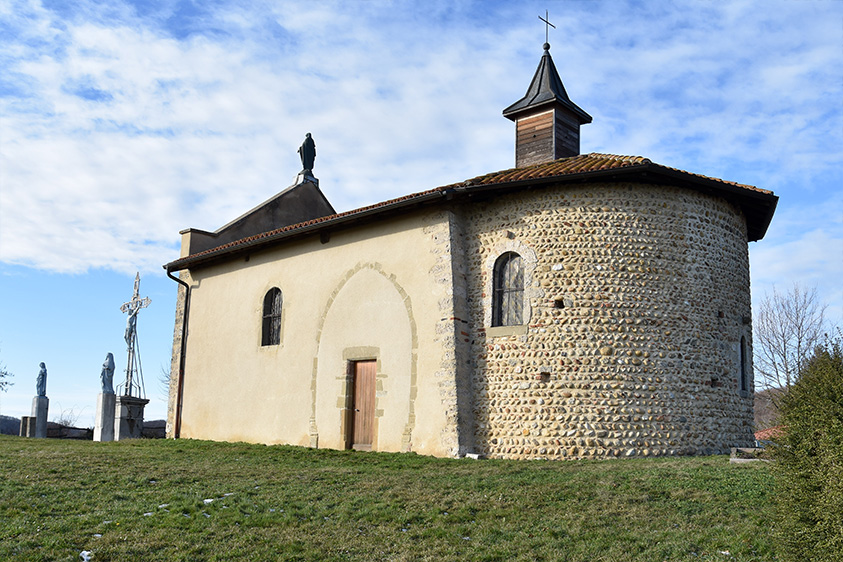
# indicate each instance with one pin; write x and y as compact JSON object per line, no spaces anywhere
{"x":272,"y":317}
{"x":508,"y":291}
{"x":744,"y":377}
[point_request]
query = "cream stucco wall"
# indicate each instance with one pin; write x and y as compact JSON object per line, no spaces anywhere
{"x":365,"y":294}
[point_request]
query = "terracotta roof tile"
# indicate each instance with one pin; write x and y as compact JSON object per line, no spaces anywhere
{"x":312,"y":222}
{"x":586,"y":163}
{"x":564,"y":166}
{"x":770,"y":433}
{"x":582,"y":164}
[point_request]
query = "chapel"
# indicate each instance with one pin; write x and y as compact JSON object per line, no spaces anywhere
{"x":574,"y":306}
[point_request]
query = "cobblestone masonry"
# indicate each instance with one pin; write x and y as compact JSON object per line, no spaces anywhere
{"x":638,"y":301}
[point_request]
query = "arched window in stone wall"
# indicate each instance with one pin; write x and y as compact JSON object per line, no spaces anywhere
{"x":271,"y":329}
{"x":508,"y":291}
{"x":744,"y":381}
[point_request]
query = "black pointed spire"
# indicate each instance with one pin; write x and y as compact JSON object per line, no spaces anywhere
{"x":546,"y":94}
{"x":545,"y":88}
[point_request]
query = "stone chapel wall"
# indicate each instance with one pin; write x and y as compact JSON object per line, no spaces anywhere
{"x":638,"y":299}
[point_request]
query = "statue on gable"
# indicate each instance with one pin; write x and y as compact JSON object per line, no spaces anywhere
{"x":307,"y":153}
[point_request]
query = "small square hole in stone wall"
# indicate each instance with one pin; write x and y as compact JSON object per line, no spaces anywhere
{"x":559,"y":303}
{"x":544,"y":376}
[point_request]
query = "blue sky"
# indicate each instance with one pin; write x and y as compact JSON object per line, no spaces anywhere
{"x":122,"y":123}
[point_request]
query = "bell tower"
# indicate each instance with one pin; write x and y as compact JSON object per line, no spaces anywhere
{"x":547,"y":122}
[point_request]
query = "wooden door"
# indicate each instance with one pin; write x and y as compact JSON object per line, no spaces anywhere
{"x":363,"y":400}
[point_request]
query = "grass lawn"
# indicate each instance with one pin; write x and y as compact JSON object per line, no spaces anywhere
{"x":157,"y":500}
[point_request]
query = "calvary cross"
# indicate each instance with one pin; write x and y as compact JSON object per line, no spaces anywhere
{"x":133,"y":307}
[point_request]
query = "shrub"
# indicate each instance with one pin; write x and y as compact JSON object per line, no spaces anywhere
{"x":809,"y":460}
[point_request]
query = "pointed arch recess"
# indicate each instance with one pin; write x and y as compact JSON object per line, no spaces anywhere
{"x":406,"y":441}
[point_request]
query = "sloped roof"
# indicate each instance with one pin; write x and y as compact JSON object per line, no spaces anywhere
{"x":298,"y":203}
{"x":545,"y":88}
{"x":757,"y":204}
{"x":770,"y":433}
{"x":593,"y":162}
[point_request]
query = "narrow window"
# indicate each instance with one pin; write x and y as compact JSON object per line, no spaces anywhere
{"x":272,"y":317}
{"x":508,"y":291}
{"x":744,"y":380}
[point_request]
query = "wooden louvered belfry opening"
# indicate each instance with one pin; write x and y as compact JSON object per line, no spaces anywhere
{"x":545,"y":137}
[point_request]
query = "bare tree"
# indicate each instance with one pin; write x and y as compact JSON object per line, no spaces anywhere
{"x":67,"y":418}
{"x":164,"y":380}
{"x":4,"y":376}
{"x":788,"y":327}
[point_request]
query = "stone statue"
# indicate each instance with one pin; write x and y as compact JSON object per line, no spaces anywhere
{"x":41,"y":381}
{"x":107,"y":374}
{"x":307,"y":152}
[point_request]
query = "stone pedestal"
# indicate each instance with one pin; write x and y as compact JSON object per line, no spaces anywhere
{"x":104,"y":421}
{"x":40,"y":405}
{"x":128,"y":417}
{"x":27,"y":426}
{"x":303,"y":177}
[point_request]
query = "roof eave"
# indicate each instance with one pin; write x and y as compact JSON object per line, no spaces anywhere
{"x":513,"y":114}
{"x":342,"y":220}
{"x":758,"y":206}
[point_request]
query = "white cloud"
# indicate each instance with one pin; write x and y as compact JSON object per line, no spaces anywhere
{"x":122,"y":125}
{"x":805,"y":246}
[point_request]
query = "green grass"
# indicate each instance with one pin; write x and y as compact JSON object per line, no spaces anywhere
{"x":145,"y":500}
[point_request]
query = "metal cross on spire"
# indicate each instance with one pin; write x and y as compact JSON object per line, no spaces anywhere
{"x":133,"y":364}
{"x":547,"y":26}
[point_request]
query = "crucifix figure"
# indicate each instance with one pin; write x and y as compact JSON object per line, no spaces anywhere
{"x":547,"y":26}
{"x":131,"y":336}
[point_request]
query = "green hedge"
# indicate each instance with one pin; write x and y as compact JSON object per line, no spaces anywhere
{"x":809,"y":461}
